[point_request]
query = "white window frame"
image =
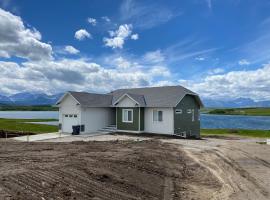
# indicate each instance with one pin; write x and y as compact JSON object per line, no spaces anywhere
{"x":157,"y":111}
{"x":178,"y":111}
{"x":188,"y":111}
{"x":123,"y":116}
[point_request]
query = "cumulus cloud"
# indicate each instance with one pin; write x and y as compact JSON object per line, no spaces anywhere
{"x":54,"y":76}
{"x":118,"y":37}
{"x":92,"y":21}
{"x":71,"y":50}
{"x":134,"y":36}
{"x":243,"y":62}
{"x":82,"y":34}
{"x":253,"y":84}
{"x":20,"y":41}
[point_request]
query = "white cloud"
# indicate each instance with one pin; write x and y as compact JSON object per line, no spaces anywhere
{"x":71,"y":50}
{"x":216,"y":71}
{"x":17,"y":40}
{"x":118,"y":36}
{"x":209,"y":3}
{"x":200,"y":58}
{"x":105,"y":18}
{"x":134,"y":36}
{"x":154,"y":57}
{"x":82,"y":34}
{"x":92,"y":21}
{"x":78,"y":74}
{"x":243,"y":62}
{"x":253,"y":84}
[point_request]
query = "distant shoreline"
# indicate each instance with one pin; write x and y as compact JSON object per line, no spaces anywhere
{"x":259,"y":111}
{"x":28,"y":108}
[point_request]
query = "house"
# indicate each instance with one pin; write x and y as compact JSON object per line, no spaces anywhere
{"x":164,"y":110}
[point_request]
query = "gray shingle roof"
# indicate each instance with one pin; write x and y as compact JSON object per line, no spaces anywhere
{"x":92,"y":100}
{"x":167,"y":96}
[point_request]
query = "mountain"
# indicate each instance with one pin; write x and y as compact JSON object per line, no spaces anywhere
{"x":234,"y":103}
{"x":26,"y":98}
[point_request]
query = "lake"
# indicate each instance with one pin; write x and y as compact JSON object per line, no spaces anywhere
{"x":207,"y":121}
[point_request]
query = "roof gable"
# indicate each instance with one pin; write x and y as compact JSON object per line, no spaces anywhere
{"x":139,"y":99}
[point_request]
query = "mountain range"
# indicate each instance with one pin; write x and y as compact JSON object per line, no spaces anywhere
{"x":26,"y":98}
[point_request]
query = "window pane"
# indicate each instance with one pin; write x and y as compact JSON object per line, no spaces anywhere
{"x":125,"y":115}
{"x":129,"y":115}
{"x":155,"y":116}
{"x":160,"y":116}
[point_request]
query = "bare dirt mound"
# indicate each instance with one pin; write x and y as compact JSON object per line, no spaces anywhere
{"x":101,"y":170}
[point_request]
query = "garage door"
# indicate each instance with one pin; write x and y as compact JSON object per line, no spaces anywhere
{"x":69,"y":120}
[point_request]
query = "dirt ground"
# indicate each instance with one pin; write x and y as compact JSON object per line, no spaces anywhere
{"x":156,"y":168}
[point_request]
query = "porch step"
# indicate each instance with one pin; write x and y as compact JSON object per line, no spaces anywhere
{"x":108,"y":129}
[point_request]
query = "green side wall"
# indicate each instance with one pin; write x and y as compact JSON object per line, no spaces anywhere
{"x":183,"y":122}
{"x":130,"y":126}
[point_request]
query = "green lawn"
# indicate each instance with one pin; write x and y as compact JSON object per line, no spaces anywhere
{"x":239,"y":111}
{"x":20,"y":125}
{"x":238,"y":132}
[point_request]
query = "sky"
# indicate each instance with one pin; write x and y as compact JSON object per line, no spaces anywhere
{"x":219,"y":49}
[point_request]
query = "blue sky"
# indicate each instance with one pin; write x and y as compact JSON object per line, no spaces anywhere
{"x":219,"y":49}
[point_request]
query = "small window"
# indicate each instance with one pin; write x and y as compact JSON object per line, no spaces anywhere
{"x":82,"y":128}
{"x":157,"y":115}
{"x":127,"y":115}
{"x":75,"y":116}
{"x":66,"y":115}
{"x":189,"y":111}
{"x":178,"y":111}
{"x":70,"y":115}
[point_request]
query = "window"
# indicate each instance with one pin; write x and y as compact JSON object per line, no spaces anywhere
{"x":82,"y":128}
{"x":75,"y":116}
{"x":157,"y":115}
{"x":66,"y":115}
{"x":127,"y":115}
{"x":189,"y":111}
{"x":193,"y":115}
{"x":70,"y":115}
{"x":178,"y":111}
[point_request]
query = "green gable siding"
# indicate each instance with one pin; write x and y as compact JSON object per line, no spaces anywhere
{"x":183,"y":122}
{"x":125,"y":125}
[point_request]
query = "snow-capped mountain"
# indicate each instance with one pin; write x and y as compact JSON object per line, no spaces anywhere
{"x":26,"y":98}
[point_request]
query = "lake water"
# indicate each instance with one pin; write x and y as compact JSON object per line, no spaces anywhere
{"x":207,"y":121}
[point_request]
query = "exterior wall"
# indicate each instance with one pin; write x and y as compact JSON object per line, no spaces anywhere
{"x":163,"y":127}
{"x":141,"y":119}
{"x":69,"y":106}
{"x":96,"y":118}
{"x":134,"y":126}
{"x":126,"y":102}
{"x":183,"y":122}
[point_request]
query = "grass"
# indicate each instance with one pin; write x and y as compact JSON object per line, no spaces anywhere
{"x":20,"y":125}
{"x":237,"y":132}
{"x":239,"y":111}
{"x":27,"y":108}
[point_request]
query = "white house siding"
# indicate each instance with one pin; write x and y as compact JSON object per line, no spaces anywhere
{"x":164,"y":127}
{"x":96,"y":118}
{"x":126,"y":102}
{"x":69,"y":106}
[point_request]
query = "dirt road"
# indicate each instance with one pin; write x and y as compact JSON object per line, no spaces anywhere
{"x":155,"y":168}
{"x":242,"y":166}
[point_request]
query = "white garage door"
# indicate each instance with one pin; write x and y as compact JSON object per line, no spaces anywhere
{"x":69,"y":121}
